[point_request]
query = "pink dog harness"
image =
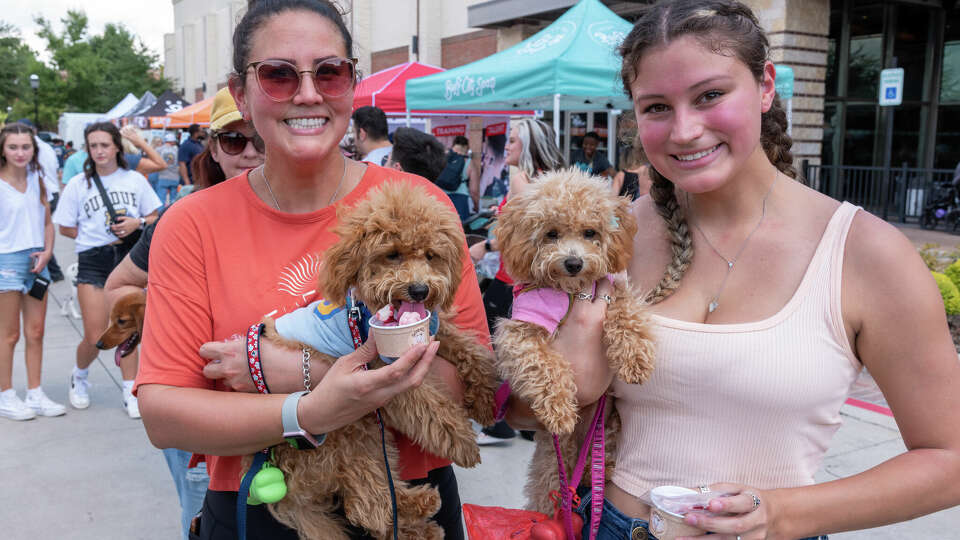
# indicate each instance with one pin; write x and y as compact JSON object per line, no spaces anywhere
{"x":543,"y":306}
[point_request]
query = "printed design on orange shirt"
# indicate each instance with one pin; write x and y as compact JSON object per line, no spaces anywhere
{"x":299,"y":279}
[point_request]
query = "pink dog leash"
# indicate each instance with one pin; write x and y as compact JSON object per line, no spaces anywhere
{"x":594,"y":441}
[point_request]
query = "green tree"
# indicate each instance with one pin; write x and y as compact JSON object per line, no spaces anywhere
{"x":17,"y":62}
{"x":98,"y":71}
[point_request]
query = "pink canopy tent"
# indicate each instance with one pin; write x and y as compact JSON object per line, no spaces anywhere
{"x":386,"y":89}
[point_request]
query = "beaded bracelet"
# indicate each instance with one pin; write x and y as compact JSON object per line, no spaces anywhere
{"x":253,"y":358}
{"x":306,"y":369}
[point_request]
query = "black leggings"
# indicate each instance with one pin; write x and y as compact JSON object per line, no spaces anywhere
{"x":218,"y":518}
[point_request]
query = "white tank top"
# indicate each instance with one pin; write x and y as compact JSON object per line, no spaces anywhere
{"x":755,"y":403}
{"x":21,"y":216}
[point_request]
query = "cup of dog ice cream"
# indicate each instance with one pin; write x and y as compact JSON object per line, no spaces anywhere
{"x":665,"y":522}
{"x":397,"y":330}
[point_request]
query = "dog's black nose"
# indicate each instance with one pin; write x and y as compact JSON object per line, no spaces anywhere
{"x":573,"y":265}
{"x":100,"y":345}
{"x":418,"y":292}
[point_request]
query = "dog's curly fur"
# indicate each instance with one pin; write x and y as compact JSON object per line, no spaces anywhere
{"x":396,"y":237}
{"x":567,"y":216}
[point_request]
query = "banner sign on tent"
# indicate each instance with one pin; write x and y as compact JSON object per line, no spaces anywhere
{"x":494,"y":173}
{"x":499,"y":128}
{"x":451,"y":130}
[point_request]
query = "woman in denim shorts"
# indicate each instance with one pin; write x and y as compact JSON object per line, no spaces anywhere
{"x":102,"y":241}
{"x":26,"y":245}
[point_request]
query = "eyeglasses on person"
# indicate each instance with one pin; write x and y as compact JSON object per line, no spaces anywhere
{"x":280,"y":80}
{"x":234,"y":142}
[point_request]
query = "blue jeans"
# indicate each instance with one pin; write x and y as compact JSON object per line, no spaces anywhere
{"x":191,"y":484}
{"x":167,"y":188}
{"x":15,"y":274}
{"x":615,"y":525}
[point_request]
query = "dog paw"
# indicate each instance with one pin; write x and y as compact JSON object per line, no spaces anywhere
{"x":481,"y":406}
{"x":559,"y":420}
{"x":634,"y":373}
{"x":466,"y":455}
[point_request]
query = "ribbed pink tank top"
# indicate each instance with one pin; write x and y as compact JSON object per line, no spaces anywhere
{"x":755,"y":403}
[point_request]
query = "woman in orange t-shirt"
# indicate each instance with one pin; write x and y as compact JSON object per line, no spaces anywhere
{"x":227,"y":256}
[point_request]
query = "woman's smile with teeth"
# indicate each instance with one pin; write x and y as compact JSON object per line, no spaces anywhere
{"x":698,"y":155}
{"x":306,"y":123}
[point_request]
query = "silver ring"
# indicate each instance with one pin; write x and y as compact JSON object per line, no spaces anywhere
{"x":756,"y":501}
{"x":703,"y":489}
{"x":738,"y":537}
{"x":607,"y":298}
{"x":584,"y":296}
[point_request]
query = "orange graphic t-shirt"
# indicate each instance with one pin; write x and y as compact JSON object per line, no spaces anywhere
{"x":221,"y":260}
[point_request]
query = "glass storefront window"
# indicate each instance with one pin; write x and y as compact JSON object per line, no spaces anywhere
{"x":858,"y":139}
{"x":950,"y":76}
{"x":831,"y":120}
{"x":950,"y":79}
{"x":864,"y":68}
{"x":906,"y":136}
{"x":836,"y":20}
{"x":866,"y":50}
{"x":910,"y":48}
{"x":946,"y":155}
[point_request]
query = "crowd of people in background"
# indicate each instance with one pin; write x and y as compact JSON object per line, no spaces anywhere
{"x":754,"y":361}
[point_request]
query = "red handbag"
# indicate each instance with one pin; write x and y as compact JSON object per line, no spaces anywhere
{"x":498,"y":523}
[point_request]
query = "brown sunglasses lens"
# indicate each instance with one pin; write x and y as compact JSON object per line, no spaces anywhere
{"x":234,"y":143}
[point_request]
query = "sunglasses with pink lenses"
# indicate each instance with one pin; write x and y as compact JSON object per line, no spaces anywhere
{"x":280,"y":80}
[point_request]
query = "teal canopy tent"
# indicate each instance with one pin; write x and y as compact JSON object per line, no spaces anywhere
{"x":570,"y":65}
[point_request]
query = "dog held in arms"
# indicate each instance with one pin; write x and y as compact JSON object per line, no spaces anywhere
{"x":557,"y":239}
{"x":398,"y":246}
{"x":125,"y":325}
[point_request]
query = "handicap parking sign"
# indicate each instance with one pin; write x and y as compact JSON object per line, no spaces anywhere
{"x":891,"y":86}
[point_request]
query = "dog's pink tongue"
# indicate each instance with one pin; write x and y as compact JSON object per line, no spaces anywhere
{"x":411,"y":307}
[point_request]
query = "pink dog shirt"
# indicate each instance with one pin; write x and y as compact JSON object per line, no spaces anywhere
{"x":542,"y":306}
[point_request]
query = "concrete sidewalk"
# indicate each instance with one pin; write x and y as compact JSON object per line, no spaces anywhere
{"x":93,"y":474}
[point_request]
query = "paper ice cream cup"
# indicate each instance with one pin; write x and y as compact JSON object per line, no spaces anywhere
{"x":666,"y":525}
{"x":393,"y":341}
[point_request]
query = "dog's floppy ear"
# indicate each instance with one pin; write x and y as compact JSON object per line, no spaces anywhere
{"x":514,"y":231}
{"x":622,"y":231}
{"x":450,"y":246}
{"x":342,"y":261}
{"x":138,"y":313}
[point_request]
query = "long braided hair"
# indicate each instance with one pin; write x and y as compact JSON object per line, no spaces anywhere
{"x":726,"y":27}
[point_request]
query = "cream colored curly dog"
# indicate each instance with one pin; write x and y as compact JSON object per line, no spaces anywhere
{"x":557,"y":239}
{"x":399,"y":244}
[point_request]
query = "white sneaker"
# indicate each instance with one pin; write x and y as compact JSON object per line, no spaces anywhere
{"x":44,"y":406}
{"x":13,"y":408}
{"x":79,"y":395}
{"x":130,"y":404}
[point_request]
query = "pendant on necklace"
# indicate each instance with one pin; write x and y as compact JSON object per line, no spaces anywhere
{"x":712,"y":307}
{"x":730,"y":265}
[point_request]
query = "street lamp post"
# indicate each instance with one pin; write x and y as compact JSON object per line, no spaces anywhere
{"x":35,"y":84}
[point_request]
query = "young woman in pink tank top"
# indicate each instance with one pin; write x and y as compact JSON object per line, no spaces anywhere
{"x":762,"y":333}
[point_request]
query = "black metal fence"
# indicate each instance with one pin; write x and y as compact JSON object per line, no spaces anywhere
{"x":894,"y":193}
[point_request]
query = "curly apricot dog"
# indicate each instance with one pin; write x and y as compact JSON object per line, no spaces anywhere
{"x":557,"y":239}
{"x":400,"y":244}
